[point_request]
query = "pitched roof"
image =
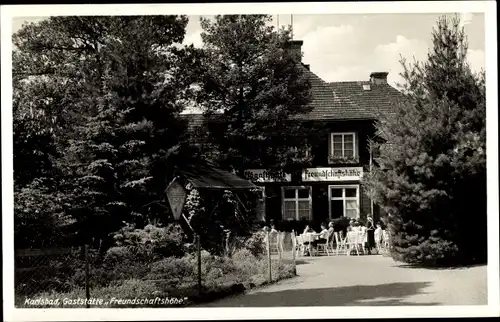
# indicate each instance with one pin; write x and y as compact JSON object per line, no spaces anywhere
{"x":327,"y":104}
{"x":339,"y":101}
{"x":208,"y":176}
{"x":379,"y":99}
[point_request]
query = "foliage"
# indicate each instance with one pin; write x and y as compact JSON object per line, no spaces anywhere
{"x":255,"y":244}
{"x":166,"y":241}
{"x":297,"y":225}
{"x":252,"y":88}
{"x":40,"y":215}
{"x":341,"y":224}
{"x":172,"y":277}
{"x":334,"y":159}
{"x":96,"y":105}
{"x":431,"y":173}
{"x":216,"y":215}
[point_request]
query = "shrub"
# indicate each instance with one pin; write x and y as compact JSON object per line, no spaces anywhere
{"x":341,"y":224}
{"x":173,"y":268}
{"x":243,"y":255}
{"x":165,"y":241}
{"x":255,"y":244}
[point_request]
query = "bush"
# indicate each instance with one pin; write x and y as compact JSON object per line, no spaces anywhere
{"x":173,"y":268}
{"x":255,"y":244}
{"x":177,"y":277}
{"x":165,"y":241}
{"x":341,"y":224}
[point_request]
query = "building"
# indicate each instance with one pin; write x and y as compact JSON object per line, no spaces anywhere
{"x":332,"y":188}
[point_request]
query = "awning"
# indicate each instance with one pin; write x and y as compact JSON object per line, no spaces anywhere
{"x":210,"y":177}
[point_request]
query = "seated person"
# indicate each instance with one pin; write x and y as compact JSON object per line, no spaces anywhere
{"x":322,"y":235}
{"x":308,"y":230}
{"x":330,"y":229}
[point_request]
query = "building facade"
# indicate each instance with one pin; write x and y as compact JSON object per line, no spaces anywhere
{"x":332,"y":187}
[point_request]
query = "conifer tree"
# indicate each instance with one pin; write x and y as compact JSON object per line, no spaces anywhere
{"x":430,"y":175}
{"x":259,"y":87}
{"x":116,"y":86}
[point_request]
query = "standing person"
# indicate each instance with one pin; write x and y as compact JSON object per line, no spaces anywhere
{"x":370,"y":229}
{"x":378,"y":237}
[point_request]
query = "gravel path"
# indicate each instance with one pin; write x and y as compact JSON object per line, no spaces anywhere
{"x":367,"y":281}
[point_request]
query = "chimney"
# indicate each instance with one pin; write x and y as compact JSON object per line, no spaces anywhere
{"x":378,"y":77}
{"x":295,"y":46}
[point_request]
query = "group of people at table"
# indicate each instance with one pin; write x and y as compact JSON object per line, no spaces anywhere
{"x":372,"y":235}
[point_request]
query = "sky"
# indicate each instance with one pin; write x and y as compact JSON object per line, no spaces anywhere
{"x":348,"y":47}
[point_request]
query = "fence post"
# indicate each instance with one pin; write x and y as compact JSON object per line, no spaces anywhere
{"x":294,"y":249}
{"x":198,"y":250}
{"x":87,"y":273}
{"x":269,"y":255}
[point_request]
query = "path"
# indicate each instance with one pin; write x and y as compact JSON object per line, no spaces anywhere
{"x":367,"y":280}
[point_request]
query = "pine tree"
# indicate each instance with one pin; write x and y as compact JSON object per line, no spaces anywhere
{"x":120,"y":86}
{"x":431,"y":170}
{"x":258,"y":87}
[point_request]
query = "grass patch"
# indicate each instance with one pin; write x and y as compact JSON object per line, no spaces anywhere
{"x":170,"y":282}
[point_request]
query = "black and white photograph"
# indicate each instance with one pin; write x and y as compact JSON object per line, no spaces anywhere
{"x":306,"y":156}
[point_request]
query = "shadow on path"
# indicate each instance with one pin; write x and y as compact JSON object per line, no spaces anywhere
{"x":358,"y":295}
{"x":438,"y":268}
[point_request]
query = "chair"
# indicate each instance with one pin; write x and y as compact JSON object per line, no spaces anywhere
{"x":281,"y":243}
{"x":324,"y":246}
{"x":385,"y":241}
{"x":352,"y":240}
{"x":308,"y":242}
{"x":299,"y":245}
{"x":378,"y":240}
{"x":341,"y":244}
{"x":274,"y":241}
{"x":362,"y":235}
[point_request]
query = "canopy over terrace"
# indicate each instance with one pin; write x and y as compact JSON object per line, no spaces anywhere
{"x":210,"y":177}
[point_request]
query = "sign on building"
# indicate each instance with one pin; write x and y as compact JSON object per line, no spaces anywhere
{"x":176,"y":198}
{"x":263,"y":175}
{"x":332,"y":174}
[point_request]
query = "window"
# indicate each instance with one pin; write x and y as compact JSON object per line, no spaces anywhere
{"x":296,"y":203}
{"x":343,"y":145}
{"x":344,"y":201}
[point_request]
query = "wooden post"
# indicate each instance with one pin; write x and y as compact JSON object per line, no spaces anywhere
{"x":269,"y":255}
{"x":87,"y":277}
{"x":198,"y":250}
{"x":294,"y":250}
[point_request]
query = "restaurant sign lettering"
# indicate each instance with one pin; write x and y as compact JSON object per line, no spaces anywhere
{"x":332,"y":174}
{"x":263,"y":175}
